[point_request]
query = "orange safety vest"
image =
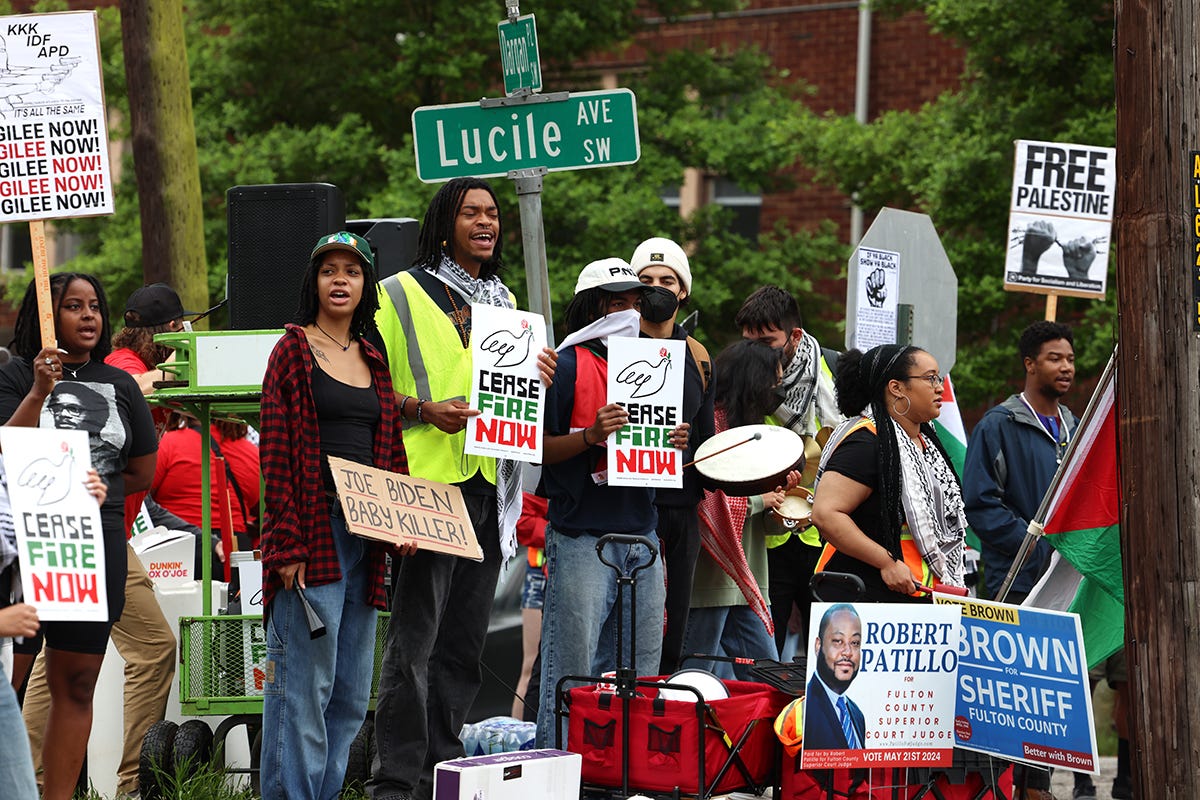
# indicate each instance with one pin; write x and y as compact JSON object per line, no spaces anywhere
{"x":908,"y":546}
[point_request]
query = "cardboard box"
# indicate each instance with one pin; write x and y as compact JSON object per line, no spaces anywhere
{"x":528,"y":775}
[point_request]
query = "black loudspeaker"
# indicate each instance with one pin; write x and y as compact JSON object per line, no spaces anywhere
{"x":272,"y":230}
{"x":393,"y":240}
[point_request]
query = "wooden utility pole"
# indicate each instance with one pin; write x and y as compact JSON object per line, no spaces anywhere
{"x":1158,"y":384}
{"x":164,"y":148}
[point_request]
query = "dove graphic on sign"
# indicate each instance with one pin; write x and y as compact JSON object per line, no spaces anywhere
{"x":648,"y":378}
{"x":510,"y":348}
{"x":53,"y":479}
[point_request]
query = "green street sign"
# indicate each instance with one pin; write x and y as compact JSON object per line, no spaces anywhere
{"x":494,"y":137}
{"x":519,"y":54}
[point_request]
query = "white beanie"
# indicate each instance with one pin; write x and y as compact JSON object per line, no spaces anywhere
{"x":663,"y":251}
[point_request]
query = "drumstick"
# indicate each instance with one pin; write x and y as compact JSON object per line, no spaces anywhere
{"x":755,"y":437}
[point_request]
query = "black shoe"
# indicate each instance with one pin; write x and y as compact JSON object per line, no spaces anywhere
{"x":1084,"y":788}
{"x":1122,"y":788}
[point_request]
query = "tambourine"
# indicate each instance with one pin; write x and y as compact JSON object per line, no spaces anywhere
{"x":796,"y":509}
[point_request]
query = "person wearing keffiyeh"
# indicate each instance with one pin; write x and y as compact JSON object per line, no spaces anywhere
{"x":729,"y":612}
{"x":888,"y":503}
{"x":441,"y":603}
{"x":805,"y":403}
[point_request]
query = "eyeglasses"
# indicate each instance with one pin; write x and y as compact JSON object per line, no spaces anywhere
{"x":933,"y":380}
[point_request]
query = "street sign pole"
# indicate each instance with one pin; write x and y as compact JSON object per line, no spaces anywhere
{"x":533,"y":241}
{"x":528,"y":183}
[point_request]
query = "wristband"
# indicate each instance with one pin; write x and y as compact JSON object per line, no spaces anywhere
{"x":586,"y":443}
{"x":420,"y":403}
{"x":404,"y":407}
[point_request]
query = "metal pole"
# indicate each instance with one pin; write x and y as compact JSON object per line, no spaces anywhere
{"x":533,"y":241}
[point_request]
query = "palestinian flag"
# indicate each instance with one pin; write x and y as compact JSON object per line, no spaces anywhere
{"x":949,"y":428}
{"x":1080,"y":515}
{"x":953,"y":436}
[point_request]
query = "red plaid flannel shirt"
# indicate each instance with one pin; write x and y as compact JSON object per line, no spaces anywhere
{"x":297,"y":525}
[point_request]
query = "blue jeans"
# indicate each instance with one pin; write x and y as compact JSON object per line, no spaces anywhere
{"x":16,"y":763}
{"x":733,"y":631}
{"x":317,"y":690}
{"x":431,"y":673}
{"x":581,"y":602}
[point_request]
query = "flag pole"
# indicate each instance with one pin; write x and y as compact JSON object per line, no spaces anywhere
{"x":1034,"y":532}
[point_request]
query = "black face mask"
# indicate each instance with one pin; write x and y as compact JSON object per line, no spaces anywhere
{"x":659,"y":304}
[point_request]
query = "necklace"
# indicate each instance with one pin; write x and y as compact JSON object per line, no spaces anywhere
{"x":344,"y":347}
{"x":458,"y":317}
{"x":75,"y":372}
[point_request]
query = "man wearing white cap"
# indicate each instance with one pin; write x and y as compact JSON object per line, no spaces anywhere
{"x":580,"y":609}
{"x":662,"y":265}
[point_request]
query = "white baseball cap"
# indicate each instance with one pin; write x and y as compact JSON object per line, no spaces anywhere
{"x":609,"y":274}
{"x":660,"y":251}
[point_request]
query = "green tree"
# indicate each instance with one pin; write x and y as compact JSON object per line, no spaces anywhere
{"x":315,"y":90}
{"x":1035,"y":69}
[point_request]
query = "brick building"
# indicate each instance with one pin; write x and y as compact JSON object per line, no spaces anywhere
{"x":818,"y":43}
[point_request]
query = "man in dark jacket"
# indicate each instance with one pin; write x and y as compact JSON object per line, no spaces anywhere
{"x":1012,"y":456}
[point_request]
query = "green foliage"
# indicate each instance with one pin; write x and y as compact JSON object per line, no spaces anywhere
{"x":1035,"y":69}
{"x":314,"y":90}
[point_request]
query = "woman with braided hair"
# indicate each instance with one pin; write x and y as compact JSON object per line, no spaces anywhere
{"x":888,"y":503}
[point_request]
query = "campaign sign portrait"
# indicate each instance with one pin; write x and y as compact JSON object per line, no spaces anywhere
{"x":506,"y":386}
{"x":646,"y":377}
{"x":1060,"y":219}
{"x":878,"y":297}
{"x":1023,"y":690}
{"x":881,"y":685}
{"x":60,"y":541}
{"x":53,"y":134}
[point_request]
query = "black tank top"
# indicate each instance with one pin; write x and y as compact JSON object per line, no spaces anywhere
{"x":347,"y":417}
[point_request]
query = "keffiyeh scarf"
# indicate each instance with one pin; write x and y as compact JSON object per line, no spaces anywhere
{"x":490,"y":292}
{"x":933,"y":506}
{"x":804,"y":384}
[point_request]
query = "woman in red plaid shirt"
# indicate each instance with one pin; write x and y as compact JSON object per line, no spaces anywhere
{"x":326,"y":392}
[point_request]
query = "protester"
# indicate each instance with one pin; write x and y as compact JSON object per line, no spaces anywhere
{"x":149,"y":311}
{"x":580,"y":609}
{"x":123,"y":445}
{"x":1011,"y":459}
{"x":326,"y":392}
{"x":730,"y":614}
{"x":888,"y":502}
{"x":441,"y":603}
{"x":771,"y":316}
{"x":177,"y":485}
{"x":1012,"y":456}
{"x":662,"y":265}
{"x":142,"y":636}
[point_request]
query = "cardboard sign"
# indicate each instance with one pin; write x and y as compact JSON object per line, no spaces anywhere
{"x":1023,"y":690}
{"x":398,"y":509}
{"x":883,"y":675}
{"x":878,"y":297}
{"x":506,"y":386}
{"x":53,"y":136}
{"x":60,"y":539}
{"x":1060,"y":219}
{"x":646,"y":376}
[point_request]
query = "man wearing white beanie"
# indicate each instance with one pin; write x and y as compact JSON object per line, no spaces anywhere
{"x":661,"y":263}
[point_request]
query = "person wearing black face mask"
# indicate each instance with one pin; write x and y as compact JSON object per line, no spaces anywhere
{"x":662,"y":266}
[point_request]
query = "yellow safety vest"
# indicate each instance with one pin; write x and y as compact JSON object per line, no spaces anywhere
{"x":427,"y":360}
